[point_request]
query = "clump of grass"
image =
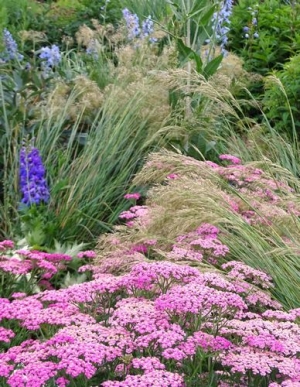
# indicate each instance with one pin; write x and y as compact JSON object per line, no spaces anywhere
{"x":195,"y":193}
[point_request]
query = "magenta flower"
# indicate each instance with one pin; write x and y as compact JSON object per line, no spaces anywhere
{"x":87,"y":254}
{"x":134,"y":196}
{"x":232,"y":159}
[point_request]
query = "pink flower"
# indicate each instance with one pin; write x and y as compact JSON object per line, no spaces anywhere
{"x":172,"y":176}
{"x":87,"y":254}
{"x":212,"y":164}
{"x":18,"y":295}
{"x":6,"y":244}
{"x":232,"y":159}
{"x":134,"y":196}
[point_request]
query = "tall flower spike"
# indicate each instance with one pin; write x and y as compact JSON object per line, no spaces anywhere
{"x":132,"y":23}
{"x":222,"y":22}
{"x":51,"y":58}
{"x":33,"y":184}
{"x":10,"y":47}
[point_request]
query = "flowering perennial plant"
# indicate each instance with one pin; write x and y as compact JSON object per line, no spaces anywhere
{"x":200,"y":245}
{"x":250,"y":31}
{"x":134,"y":29}
{"x":153,"y":326}
{"x":51,"y":57}
{"x":10,"y":48}
{"x":144,"y":321}
{"x":33,"y":182}
{"x":30,"y":271}
{"x":221,"y":20}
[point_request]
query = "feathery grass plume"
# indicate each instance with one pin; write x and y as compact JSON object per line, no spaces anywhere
{"x":31,"y":35}
{"x":80,"y":97}
{"x":252,"y":204}
{"x":94,"y":182}
{"x":260,"y":141}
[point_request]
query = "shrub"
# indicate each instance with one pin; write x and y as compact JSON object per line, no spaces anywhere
{"x":265,"y":34}
{"x":282,"y":96}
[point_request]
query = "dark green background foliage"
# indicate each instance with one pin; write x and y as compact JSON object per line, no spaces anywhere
{"x":281,"y":103}
{"x":56,"y":18}
{"x":279,"y":34}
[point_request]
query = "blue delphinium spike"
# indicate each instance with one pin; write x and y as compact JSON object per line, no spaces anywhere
{"x":33,"y":183}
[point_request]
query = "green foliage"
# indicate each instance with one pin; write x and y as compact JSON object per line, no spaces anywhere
{"x":278,"y":26}
{"x":68,"y":16}
{"x":3,"y":19}
{"x":191,"y":26}
{"x":19,"y":13}
{"x":95,"y":181}
{"x":281,"y":98}
{"x":143,"y":8}
{"x":59,"y":19}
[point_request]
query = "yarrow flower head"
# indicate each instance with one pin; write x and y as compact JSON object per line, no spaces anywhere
{"x":33,"y":183}
{"x":134,"y":196}
{"x":10,"y":47}
{"x":230,"y":158}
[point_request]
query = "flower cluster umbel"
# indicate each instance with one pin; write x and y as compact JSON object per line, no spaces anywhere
{"x":33,"y":183}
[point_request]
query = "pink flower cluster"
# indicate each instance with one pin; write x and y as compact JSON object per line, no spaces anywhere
{"x":200,"y":245}
{"x":6,"y":245}
{"x":29,"y":260}
{"x":87,"y":254}
{"x":135,"y":216}
{"x":232,"y":159}
{"x":151,"y":325}
{"x":134,"y":196}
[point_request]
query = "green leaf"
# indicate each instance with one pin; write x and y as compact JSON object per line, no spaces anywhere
{"x":184,"y":51}
{"x":199,"y":6}
{"x":212,"y":66}
{"x":206,"y":18}
{"x":59,"y":186}
{"x":175,"y":9}
{"x":199,"y":63}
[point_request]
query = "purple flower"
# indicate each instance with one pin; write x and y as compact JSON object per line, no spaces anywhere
{"x":147,"y":26}
{"x":222,"y":22}
{"x":10,"y":47}
{"x":132,"y":23}
{"x":133,"y":26}
{"x":51,"y":57}
{"x":33,"y":184}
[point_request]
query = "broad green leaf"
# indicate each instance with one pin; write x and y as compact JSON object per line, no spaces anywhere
{"x":212,"y":66}
{"x":198,"y":8}
{"x":199,"y":63}
{"x":206,"y":18}
{"x":184,"y":51}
